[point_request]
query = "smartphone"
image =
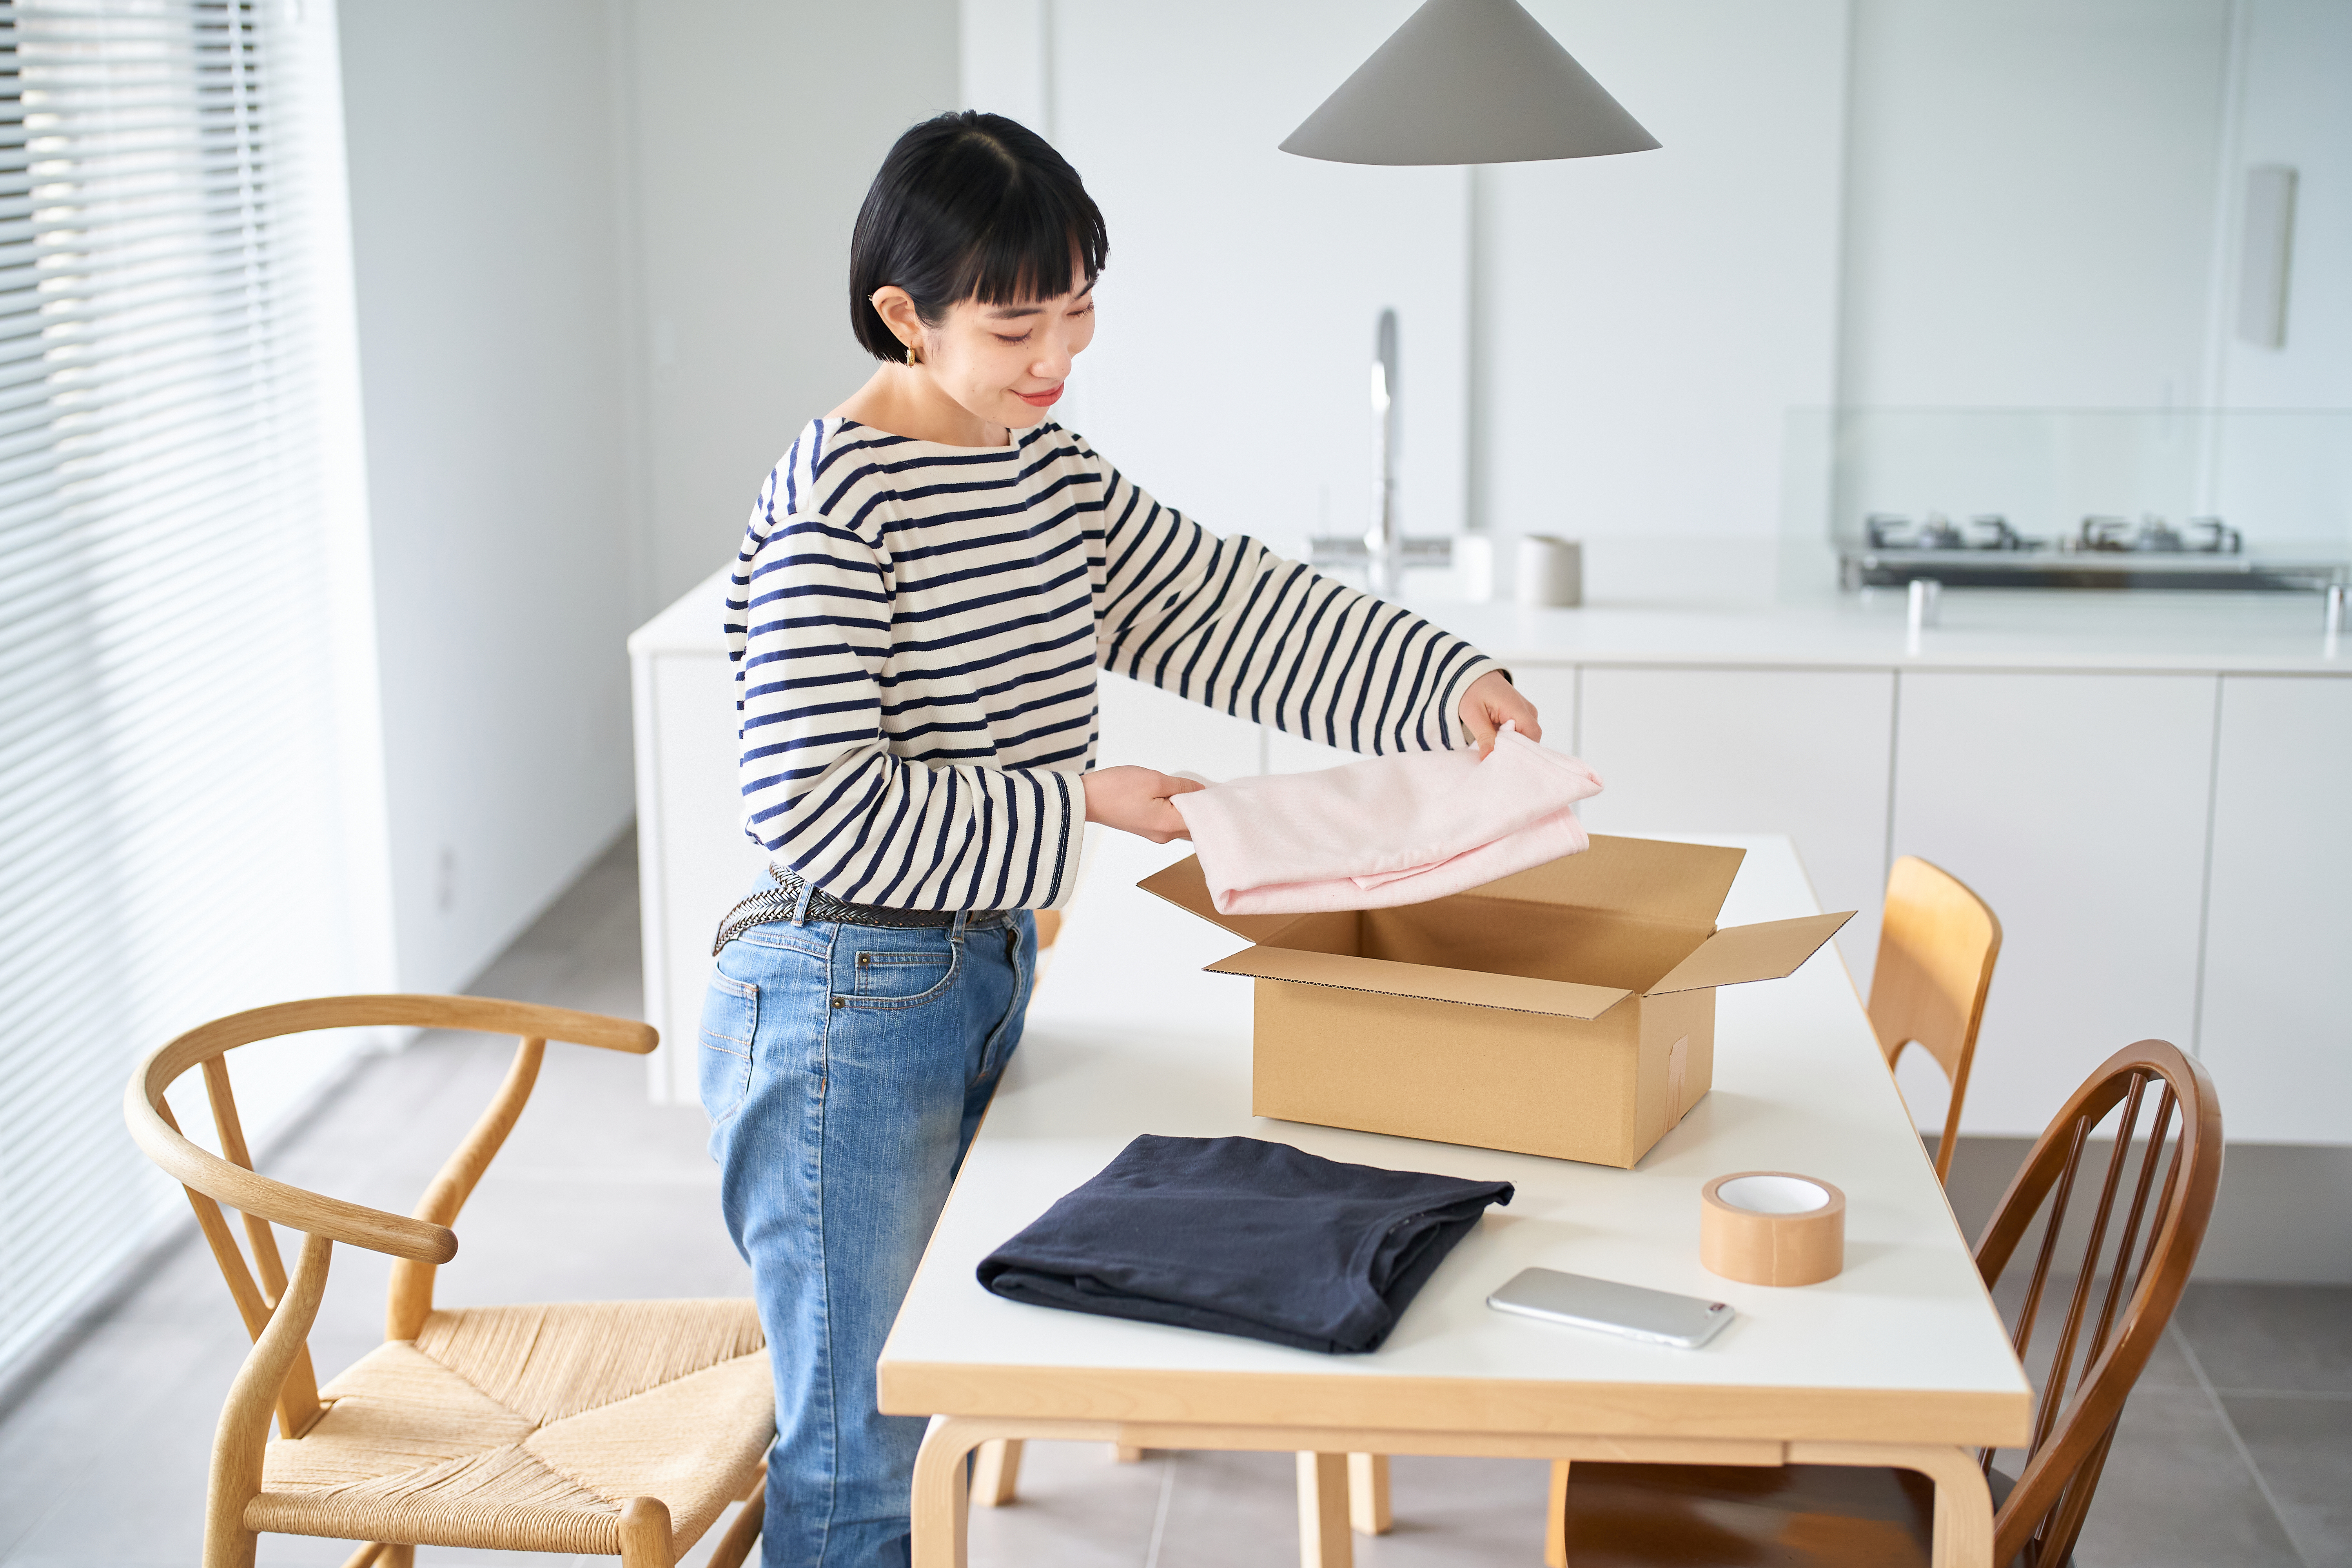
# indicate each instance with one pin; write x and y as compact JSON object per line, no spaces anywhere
{"x":1658,"y":1316}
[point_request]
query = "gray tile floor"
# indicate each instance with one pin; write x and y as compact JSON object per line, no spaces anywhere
{"x":2236,"y":1448}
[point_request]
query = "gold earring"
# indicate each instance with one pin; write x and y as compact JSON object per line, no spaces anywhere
{"x":910,"y":353}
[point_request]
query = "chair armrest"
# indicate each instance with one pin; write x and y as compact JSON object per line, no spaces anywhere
{"x":263,"y":1198}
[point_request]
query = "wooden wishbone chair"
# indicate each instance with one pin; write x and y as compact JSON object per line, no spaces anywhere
{"x":1936,"y":953}
{"x":2107,"y":1304}
{"x":608,"y":1428}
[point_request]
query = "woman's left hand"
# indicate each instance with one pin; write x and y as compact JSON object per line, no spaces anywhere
{"x":1490,"y":703}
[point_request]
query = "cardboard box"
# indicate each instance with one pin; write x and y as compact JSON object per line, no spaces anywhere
{"x":1569,"y":1010}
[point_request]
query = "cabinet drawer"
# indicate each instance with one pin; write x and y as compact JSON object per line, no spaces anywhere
{"x":2075,"y":805}
{"x":1799,"y":752}
{"x":2275,"y":1029}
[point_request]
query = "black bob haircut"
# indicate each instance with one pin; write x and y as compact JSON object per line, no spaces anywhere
{"x":968,"y":206}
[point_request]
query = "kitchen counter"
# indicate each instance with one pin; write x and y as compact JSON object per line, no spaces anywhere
{"x":2147,"y":788}
{"x":1989,"y":629}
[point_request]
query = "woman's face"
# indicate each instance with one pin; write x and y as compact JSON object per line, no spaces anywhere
{"x":1005,"y":363}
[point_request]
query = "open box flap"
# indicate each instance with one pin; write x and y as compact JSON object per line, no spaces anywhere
{"x":1770,"y":950}
{"x":1652,"y":878}
{"x":1511,"y":993}
{"x":1184,"y":886}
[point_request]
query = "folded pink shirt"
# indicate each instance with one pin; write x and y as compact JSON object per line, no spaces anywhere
{"x":1388,"y":830}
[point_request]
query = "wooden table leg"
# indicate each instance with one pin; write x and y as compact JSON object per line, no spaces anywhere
{"x":1368,"y":1493}
{"x":1963,"y":1523}
{"x":1963,"y":1513}
{"x":940,"y":1501}
{"x":996,"y":1472}
{"x":1963,"y":1528}
{"x":1556,"y":1524}
{"x":1323,"y":1540}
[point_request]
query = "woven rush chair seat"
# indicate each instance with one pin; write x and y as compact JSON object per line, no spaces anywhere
{"x":591,"y":1428}
{"x":528,"y":1428}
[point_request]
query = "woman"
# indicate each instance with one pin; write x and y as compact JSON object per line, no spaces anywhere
{"x":933,"y":576}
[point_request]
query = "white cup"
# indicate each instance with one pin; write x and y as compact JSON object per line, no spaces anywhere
{"x":1552,"y":571}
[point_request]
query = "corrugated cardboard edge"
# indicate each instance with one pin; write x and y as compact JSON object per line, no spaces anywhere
{"x":1659,"y":879}
{"x":1185,"y":886}
{"x":1503,"y":992}
{"x":1769,"y":949}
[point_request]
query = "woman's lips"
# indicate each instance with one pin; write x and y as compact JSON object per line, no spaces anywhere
{"x":1042,"y":399}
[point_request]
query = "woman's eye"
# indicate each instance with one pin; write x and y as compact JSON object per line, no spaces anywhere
{"x":1001,"y":338}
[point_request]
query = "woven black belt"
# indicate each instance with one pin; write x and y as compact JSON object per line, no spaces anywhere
{"x":777,"y":903}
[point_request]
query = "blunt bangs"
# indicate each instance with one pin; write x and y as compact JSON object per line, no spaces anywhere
{"x":969,"y":206}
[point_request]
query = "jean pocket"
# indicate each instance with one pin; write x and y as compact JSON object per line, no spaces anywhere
{"x":901,"y":979}
{"x":731,"y":1018}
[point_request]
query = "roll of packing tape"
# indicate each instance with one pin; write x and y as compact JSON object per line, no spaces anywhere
{"x":1770,"y":1227}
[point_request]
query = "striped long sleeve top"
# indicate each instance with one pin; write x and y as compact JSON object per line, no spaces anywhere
{"x":916,"y":630}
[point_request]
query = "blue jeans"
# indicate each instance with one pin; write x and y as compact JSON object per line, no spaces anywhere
{"x":845,"y":1068}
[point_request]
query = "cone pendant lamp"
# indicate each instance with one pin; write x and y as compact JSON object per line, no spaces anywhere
{"x":1468,"y":81}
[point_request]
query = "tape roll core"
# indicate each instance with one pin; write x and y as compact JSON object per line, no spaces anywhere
{"x":1772,"y":1227}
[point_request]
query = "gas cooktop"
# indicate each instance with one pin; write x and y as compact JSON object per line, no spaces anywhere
{"x":2104,"y":553}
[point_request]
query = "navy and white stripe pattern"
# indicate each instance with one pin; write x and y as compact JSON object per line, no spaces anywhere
{"x":916,"y":629}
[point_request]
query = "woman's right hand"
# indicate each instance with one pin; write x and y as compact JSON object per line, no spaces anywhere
{"x":1136,"y":800}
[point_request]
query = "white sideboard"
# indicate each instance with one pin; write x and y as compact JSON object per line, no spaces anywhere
{"x":2150,"y":790}
{"x":2075,"y":805}
{"x":2277,"y":934}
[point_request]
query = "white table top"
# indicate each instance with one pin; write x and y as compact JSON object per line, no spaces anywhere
{"x":1980,"y":629}
{"x":1128,"y":1036}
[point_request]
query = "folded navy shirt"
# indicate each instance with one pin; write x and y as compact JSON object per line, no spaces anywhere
{"x":1240,"y":1236}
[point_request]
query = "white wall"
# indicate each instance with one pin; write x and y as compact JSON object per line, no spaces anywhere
{"x":1890,"y":203}
{"x":2275,"y":465}
{"x":600,"y":256}
{"x":1628,"y":311}
{"x":601,"y":250}
{"x":2292,"y":104}
{"x":1230,"y":375}
{"x":1647,"y":321}
{"x":485,"y":188}
{"x":759,"y":126}
{"x":2030,"y":201}
{"x":2044,"y":209}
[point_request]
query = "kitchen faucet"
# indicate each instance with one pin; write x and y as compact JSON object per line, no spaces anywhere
{"x":1383,"y":551}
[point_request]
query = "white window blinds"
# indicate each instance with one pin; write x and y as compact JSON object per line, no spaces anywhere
{"x":175,"y":837}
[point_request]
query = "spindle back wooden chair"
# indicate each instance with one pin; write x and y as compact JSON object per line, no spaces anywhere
{"x":609,"y":1429}
{"x":2104,"y":1321}
{"x":1937,"y":946}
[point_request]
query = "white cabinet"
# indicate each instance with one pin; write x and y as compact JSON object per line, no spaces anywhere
{"x":1799,"y":752}
{"x":693,"y":860}
{"x":1551,"y":687}
{"x":2276,"y":1030}
{"x":2075,"y":805}
{"x":1143,"y":726}
{"x":2169,"y":853}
